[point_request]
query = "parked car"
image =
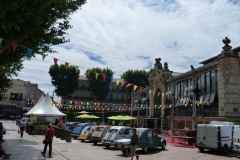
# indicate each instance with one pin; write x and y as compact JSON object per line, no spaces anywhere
{"x":148,"y":139}
{"x":78,"y":129}
{"x":99,"y":133}
{"x":70,"y":125}
{"x":86,"y":132}
{"x":115,"y":133}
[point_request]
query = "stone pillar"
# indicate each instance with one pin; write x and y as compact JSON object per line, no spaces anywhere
{"x":151,"y":105}
{"x":228,"y":82}
{"x":163,"y":91}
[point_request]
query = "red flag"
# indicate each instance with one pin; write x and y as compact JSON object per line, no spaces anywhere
{"x":14,"y":46}
{"x":104,"y":78}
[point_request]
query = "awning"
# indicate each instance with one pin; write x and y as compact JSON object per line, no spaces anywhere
{"x":207,"y":98}
{"x":212,"y":97}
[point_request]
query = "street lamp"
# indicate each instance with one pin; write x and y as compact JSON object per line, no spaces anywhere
{"x":172,"y":93}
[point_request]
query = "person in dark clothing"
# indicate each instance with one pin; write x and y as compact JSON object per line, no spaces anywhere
{"x":133,"y":143}
{"x":49,"y":139}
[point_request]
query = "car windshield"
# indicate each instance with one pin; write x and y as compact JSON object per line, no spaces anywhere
{"x":100,"y":129}
{"x":112,"y":130}
{"x":79,"y":125}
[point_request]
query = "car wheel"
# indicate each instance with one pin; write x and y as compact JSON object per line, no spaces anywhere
{"x":145,"y":150}
{"x":201,"y":149}
{"x":107,"y":146}
{"x":124,"y":151}
{"x":225,"y":149}
{"x":164,"y":146}
{"x":95,"y":143}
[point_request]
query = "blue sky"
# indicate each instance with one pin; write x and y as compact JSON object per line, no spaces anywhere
{"x":123,"y":34}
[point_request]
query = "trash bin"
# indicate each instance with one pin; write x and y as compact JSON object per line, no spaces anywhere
{"x":62,"y":135}
{"x":68,"y":135}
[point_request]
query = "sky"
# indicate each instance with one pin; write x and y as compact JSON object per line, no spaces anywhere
{"x":130,"y":34}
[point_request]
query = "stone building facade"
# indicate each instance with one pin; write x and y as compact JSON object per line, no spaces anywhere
{"x":203,"y":94}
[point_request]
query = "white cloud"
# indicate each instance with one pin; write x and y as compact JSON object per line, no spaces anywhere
{"x":119,"y":33}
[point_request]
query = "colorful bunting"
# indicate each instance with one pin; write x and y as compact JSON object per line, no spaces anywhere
{"x":96,"y":75}
{"x":117,"y":82}
{"x":88,"y":72}
{"x":29,"y":52}
{"x":14,"y":46}
{"x":55,"y":61}
{"x":66,"y":65}
{"x":77,"y":68}
{"x":135,"y":87}
{"x":123,"y":83}
{"x":129,"y":84}
{"x":104,"y":78}
{"x":43,"y":56}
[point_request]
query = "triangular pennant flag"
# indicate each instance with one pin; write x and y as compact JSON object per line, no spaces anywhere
{"x":43,"y":56}
{"x":29,"y":52}
{"x":104,"y":78}
{"x":117,"y":82}
{"x":55,"y":61}
{"x":1,"y":40}
{"x":154,"y":92}
{"x":123,"y":83}
{"x":140,"y":89}
{"x":135,"y":87}
{"x":14,"y":46}
{"x":96,"y":75}
{"x":66,"y":65}
{"x":162,"y":94}
{"x":88,"y":72}
{"x":129,"y":84}
{"x":77,"y":68}
{"x":111,"y":79}
{"x":150,"y":91}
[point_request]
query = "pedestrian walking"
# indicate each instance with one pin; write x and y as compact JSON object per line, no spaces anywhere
{"x":49,"y":139}
{"x":133,"y":143}
{"x":22,"y":127}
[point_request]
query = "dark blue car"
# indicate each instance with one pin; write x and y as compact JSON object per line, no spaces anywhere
{"x":70,"y":125}
{"x":78,"y":129}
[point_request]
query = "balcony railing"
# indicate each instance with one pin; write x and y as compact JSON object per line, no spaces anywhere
{"x":207,"y":112}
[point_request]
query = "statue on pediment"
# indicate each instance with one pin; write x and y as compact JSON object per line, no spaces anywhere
{"x":158,"y":64}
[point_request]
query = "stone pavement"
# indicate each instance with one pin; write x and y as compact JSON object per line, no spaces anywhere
{"x":30,"y":147}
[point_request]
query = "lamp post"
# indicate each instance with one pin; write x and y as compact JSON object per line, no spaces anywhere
{"x":172,"y":98}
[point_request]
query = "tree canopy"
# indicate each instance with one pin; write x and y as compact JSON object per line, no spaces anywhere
{"x":97,"y":85}
{"x":35,"y":24}
{"x":64,"y":80}
{"x":136,"y":77}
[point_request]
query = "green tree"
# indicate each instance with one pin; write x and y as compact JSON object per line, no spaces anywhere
{"x":136,"y":77}
{"x":70,"y":115}
{"x":97,"y":86}
{"x":64,"y":80}
{"x":36,"y":24}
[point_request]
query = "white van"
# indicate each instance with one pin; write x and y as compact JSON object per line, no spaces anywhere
{"x":236,"y":139}
{"x":116,"y":133}
{"x":217,"y":135}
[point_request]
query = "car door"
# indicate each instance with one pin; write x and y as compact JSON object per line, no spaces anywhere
{"x":150,"y":138}
{"x":155,"y":139}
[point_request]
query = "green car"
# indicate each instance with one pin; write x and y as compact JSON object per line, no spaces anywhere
{"x":148,"y":139}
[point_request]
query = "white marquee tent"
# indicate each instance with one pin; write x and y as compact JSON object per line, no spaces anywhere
{"x":34,"y":108}
{"x":45,"y":107}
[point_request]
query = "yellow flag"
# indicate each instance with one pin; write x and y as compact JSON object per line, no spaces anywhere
{"x":96,"y":75}
{"x":162,"y":94}
{"x":117,"y":82}
{"x":150,"y":91}
{"x":77,"y":68}
{"x":1,"y":40}
{"x":135,"y":87}
{"x":43,"y":56}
